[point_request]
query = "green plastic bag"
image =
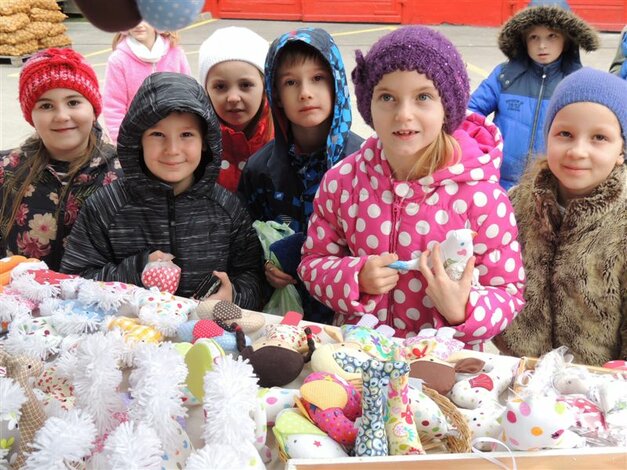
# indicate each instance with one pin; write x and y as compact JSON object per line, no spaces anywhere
{"x":285,"y":299}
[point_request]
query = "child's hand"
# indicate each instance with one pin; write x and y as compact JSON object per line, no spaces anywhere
{"x":277,"y":278}
{"x":159,"y":256}
{"x":375,"y":277}
{"x":448,"y":296}
{"x":225,"y":292}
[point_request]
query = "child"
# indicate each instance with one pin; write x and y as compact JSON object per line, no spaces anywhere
{"x":136,"y":54}
{"x":429,"y":169}
{"x":168,"y":202}
{"x":45,"y":181}
{"x":231,"y":64}
{"x":619,"y":65}
{"x":572,"y":210}
{"x":307,"y":89}
{"x":542,"y":45}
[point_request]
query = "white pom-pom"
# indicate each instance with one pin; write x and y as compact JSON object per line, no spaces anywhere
{"x":12,"y":398}
{"x":23,"y":268}
{"x":27,"y":336}
{"x":96,"y":379}
{"x":230,"y":396}
{"x":156,"y":387}
{"x":74,"y":323}
{"x":62,"y":441}
{"x":166,"y":324}
{"x":11,"y":307}
{"x":218,"y":457}
{"x":28,"y":287}
{"x":108,"y":298}
{"x":69,"y":287}
{"x":133,"y":446}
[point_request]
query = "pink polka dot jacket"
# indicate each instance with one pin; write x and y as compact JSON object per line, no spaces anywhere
{"x":361,"y":210}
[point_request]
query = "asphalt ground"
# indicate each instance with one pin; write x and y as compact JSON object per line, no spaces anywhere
{"x":477,"y":45}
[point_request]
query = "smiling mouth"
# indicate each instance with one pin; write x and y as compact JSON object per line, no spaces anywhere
{"x":235,"y":110}
{"x":405,"y":133}
{"x":308,"y":108}
{"x":65,"y":129}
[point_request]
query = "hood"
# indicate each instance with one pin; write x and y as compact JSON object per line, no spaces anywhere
{"x":161,"y":94}
{"x":342,"y":117}
{"x":481,"y":147}
{"x":579,"y":33}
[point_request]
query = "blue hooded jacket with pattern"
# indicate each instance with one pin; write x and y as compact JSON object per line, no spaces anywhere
{"x":277,"y":183}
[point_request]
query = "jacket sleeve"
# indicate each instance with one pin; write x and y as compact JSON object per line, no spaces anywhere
{"x":619,"y":58}
{"x":247,"y":191}
{"x":485,"y":99}
{"x":88,"y":252}
{"x":115,"y":97}
{"x":328,"y":268}
{"x":244,"y":267}
{"x":495,"y":303}
{"x":184,"y":64}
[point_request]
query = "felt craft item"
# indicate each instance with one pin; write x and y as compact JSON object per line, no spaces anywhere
{"x":112,"y":297}
{"x":169,"y":15}
{"x":445,"y":343}
{"x":324,"y":359}
{"x":403,"y":438}
{"x":279,"y":357}
{"x":194,"y":330}
{"x":333,"y":405}
{"x":112,"y":16}
{"x":275,"y":399}
{"x":227,"y":313}
{"x":471,"y":393}
{"x":162,"y":274}
{"x":22,"y":369}
{"x":439,"y":375}
{"x":164,"y":311}
{"x":200,"y":358}
{"x":134,"y":332}
{"x":298,"y":438}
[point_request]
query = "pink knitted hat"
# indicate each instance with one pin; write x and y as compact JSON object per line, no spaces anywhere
{"x":57,"y":68}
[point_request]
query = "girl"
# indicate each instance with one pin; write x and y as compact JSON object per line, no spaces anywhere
{"x":230,"y":63}
{"x":572,"y":206}
{"x":167,"y":202}
{"x":45,"y":182}
{"x":430,"y":169}
{"x":137,"y":53}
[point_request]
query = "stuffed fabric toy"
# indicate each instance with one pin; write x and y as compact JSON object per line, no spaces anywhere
{"x":279,"y":357}
{"x":486,"y":387}
{"x":430,"y":421}
{"x":298,"y":438}
{"x":226,"y":314}
{"x":333,"y":405}
{"x":276,"y":399}
{"x":440,"y":375}
{"x":194,"y":330}
{"x":485,"y":422}
{"x":12,"y":397}
{"x":163,"y":275}
{"x":201,"y":358}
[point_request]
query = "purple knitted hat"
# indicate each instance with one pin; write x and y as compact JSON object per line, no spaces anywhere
{"x":421,"y":49}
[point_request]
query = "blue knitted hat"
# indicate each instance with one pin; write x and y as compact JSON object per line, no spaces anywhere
{"x":594,"y":86}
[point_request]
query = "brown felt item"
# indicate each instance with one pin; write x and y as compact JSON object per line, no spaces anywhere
{"x":112,"y":16}
{"x":275,"y":366}
{"x":471,"y":365}
{"x":439,"y":376}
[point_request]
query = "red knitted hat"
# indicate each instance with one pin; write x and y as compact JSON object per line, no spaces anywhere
{"x":57,"y":68}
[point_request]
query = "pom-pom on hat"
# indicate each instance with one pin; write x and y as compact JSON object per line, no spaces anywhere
{"x":232,"y":43}
{"x":593,"y":86}
{"x":57,"y":68}
{"x":427,"y":52}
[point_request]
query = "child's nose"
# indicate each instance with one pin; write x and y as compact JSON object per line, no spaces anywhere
{"x":61,"y":114}
{"x":578,"y":149}
{"x":233,"y":97}
{"x":403,"y":112}
{"x":171,"y":146}
{"x":305,"y":92}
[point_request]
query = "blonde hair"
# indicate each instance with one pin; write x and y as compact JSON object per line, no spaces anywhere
{"x":442,"y":152}
{"x":29,"y":173}
{"x":171,"y":36}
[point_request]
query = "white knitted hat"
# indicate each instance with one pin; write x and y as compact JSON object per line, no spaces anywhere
{"x":232,"y":43}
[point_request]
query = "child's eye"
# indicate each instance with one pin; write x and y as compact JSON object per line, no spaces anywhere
{"x":155,"y":134}
{"x":319,"y":78}
{"x":564,"y":134}
{"x":386,"y":97}
{"x":289,"y":82}
{"x":599,"y":137}
{"x":219,"y":86}
{"x":74,"y":103}
{"x":245,"y":85}
{"x":45,"y":106}
{"x":424,"y":97}
{"x":188,"y":134}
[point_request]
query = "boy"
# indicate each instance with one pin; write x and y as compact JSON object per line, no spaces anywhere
{"x":168,"y":202}
{"x":307,"y":90}
{"x":542,"y":45}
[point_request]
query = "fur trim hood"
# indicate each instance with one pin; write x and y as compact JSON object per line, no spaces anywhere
{"x":579,"y":33}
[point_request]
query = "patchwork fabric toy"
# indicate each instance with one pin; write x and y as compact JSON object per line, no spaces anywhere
{"x":279,"y":357}
{"x":134,"y":332}
{"x":193,"y":330}
{"x":485,"y":421}
{"x":201,"y":358}
{"x":32,"y":417}
{"x":429,"y":418}
{"x":486,"y":387}
{"x":163,"y":275}
{"x":164,"y":311}
{"x":227,"y":314}
{"x":333,"y":405}
{"x":276,"y":399}
{"x":298,"y":438}
{"x":440,"y":375}
{"x":445,"y":344}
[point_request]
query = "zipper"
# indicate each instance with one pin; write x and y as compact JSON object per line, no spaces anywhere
{"x":396,"y":210}
{"x":172,"y":223}
{"x":535,"y":120}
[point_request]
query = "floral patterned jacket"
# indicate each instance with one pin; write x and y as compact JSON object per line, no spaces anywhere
{"x":41,"y":227}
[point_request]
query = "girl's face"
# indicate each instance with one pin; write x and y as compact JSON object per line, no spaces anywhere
{"x":544,"y":45}
{"x":144,"y":33}
{"x":407,"y":115}
{"x":63,"y":118}
{"x":584,"y":145}
{"x":235,"y":89}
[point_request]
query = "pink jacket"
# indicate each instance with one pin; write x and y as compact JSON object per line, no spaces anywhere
{"x":361,"y":210}
{"x":124,"y":75}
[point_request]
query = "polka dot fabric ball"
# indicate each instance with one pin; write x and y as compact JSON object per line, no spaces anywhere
{"x":169,"y":15}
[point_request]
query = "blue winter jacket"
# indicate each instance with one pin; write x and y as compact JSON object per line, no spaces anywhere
{"x":518,"y":93}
